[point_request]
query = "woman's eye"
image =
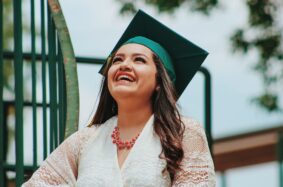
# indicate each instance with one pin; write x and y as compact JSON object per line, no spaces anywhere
{"x":140,"y":59}
{"x":116,"y":59}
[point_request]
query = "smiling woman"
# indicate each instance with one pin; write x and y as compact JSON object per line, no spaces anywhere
{"x":132,"y":74}
{"x":137,"y":136}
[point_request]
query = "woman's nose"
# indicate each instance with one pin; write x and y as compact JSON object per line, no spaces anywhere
{"x":126,"y":65}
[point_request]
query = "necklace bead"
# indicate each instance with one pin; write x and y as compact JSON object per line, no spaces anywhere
{"x":122,"y":144}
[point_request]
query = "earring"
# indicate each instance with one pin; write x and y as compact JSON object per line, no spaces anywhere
{"x":157,"y":88}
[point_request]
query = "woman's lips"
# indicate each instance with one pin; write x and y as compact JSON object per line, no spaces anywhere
{"x":123,"y":76}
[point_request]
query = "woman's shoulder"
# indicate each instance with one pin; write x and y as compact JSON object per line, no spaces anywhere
{"x":191,"y":124}
{"x":79,"y":137}
{"x":197,"y":165}
{"x":84,"y":132}
{"x":87,"y":130}
{"x":194,"y":137}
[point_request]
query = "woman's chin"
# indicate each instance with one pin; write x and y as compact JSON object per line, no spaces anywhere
{"x":123,"y":91}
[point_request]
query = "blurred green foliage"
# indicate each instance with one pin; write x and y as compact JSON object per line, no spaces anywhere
{"x":262,"y":35}
{"x":8,"y":42}
{"x":266,"y":41}
{"x":169,"y":6}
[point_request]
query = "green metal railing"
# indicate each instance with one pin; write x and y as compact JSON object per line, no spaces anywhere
{"x":33,"y":73}
{"x":19,"y":94}
{"x":207,"y":107}
{"x":2,"y":138}
{"x":52,"y":83}
{"x":53,"y":128}
{"x":43,"y":72}
{"x":72,"y":94}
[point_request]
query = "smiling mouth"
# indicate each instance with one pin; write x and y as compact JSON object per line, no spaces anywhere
{"x":123,"y":77}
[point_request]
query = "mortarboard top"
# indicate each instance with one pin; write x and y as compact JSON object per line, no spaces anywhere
{"x":186,"y":57}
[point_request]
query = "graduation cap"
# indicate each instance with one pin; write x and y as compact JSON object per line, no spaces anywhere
{"x":180,"y":57}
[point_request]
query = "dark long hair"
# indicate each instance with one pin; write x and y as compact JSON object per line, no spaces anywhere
{"x":167,"y":120}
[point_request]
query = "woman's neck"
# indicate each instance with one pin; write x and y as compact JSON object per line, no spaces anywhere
{"x":130,"y":115}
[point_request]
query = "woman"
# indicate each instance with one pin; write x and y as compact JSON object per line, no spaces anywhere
{"x":137,"y":136}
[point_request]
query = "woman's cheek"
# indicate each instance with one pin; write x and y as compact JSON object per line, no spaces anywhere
{"x":111,"y":73}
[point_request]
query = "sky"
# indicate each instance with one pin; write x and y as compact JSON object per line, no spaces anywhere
{"x":96,"y":26}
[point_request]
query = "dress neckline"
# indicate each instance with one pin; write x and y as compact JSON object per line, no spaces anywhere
{"x":144,"y":131}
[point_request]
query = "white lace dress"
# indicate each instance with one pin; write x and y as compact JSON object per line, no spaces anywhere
{"x":89,"y":158}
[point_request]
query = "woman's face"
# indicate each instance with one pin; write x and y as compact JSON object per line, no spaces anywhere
{"x":132,"y":73}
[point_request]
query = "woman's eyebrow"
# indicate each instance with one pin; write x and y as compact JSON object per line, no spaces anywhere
{"x":140,"y":54}
{"x":134,"y":55}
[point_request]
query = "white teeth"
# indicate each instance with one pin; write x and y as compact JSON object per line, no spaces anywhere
{"x":121,"y":77}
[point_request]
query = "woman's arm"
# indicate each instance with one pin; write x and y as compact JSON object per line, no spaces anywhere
{"x":61,"y":166}
{"x":197,"y":165}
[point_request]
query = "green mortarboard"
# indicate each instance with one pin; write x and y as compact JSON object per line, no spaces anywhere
{"x":185,"y":57}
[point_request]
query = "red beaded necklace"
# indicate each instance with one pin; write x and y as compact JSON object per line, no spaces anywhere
{"x":122,"y":144}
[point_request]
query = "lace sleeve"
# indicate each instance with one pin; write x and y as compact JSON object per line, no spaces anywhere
{"x":197,"y":165}
{"x":60,"y":168}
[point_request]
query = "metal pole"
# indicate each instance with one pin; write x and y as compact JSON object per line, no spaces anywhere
{"x":207,"y":99}
{"x":62,"y":95}
{"x":280,"y":157}
{"x":84,"y":60}
{"x":223,"y":179}
{"x":2,"y":173}
{"x":18,"y":69}
{"x":5,"y":140}
{"x":52,"y":82}
{"x":43,"y":57}
{"x":33,"y":70}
